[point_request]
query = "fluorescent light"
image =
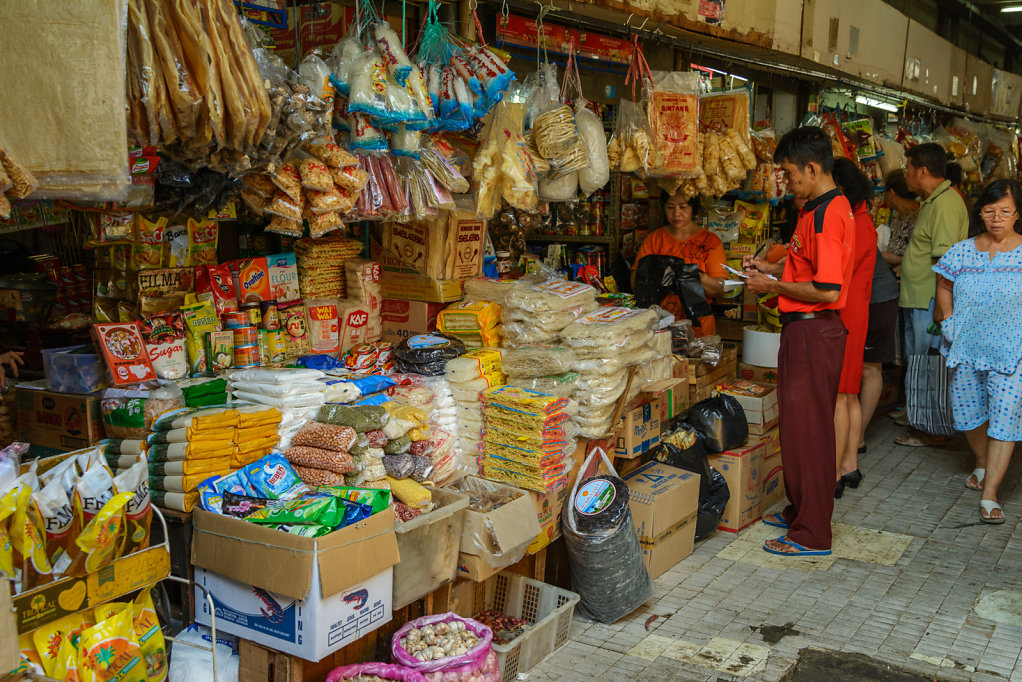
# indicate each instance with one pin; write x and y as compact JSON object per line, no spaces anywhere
{"x":877,"y":104}
{"x":1013,"y":8}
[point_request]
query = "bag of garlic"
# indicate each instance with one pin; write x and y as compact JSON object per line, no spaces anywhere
{"x":374,"y":671}
{"x":447,"y":648}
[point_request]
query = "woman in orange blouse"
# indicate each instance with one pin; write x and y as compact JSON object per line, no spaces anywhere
{"x":683,"y":238}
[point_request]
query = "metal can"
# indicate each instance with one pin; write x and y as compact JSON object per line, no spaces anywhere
{"x":270,"y":319}
{"x":255,"y":316}
{"x":276,"y":346}
{"x":234,"y":319}
{"x":246,"y":356}
{"x":264,"y":347}
{"x":245,"y":336}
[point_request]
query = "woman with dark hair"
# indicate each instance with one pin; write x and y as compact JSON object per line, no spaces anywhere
{"x":682,"y":237}
{"x":858,"y":189}
{"x":904,"y":205}
{"x":979,"y":291}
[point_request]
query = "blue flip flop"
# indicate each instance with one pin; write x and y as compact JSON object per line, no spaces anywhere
{"x":800,"y":550}
{"x":776,"y":520}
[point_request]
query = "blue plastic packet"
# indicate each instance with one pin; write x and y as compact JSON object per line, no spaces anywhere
{"x":320,"y":362}
{"x":273,"y":478}
{"x":210,"y":498}
{"x":374,"y":383}
{"x":354,"y":512}
{"x":376,"y":399}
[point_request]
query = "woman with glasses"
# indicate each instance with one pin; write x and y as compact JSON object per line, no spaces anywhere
{"x":979,"y":291}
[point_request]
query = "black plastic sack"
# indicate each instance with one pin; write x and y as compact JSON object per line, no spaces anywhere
{"x":659,"y":276}
{"x":711,"y":507}
{"x":721,"y":421}
{"x":604,"y":556}
{"x":691,"y":459}
{"x":426,"y":354}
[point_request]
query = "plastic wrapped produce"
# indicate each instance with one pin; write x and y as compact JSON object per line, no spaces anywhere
{"x":611,"y":326}
{"x":596,"y":173}
{"x":603,"y":549}
{"x":361,"y":418}
{"x":374,"y":672}
{"x":463,"y":653}
{"x":555,"y":384}
{"x":537,"y":361}
{"x":317,"y":458}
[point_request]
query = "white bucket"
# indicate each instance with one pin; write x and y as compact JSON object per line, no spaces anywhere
{"x":760,"y":348}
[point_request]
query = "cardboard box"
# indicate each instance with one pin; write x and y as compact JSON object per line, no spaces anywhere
{"x":761,"y":375}
{"x":639,"y":430}
{"x":741,"y":470}
{"x":760,"y":411}
{"x":57,"y":422}
{"x":399,"y":280}
{"x":771,"y":471}
{"x":704,"y":378}
{"x":663,"y":501}
{"x":494,"y":540}
{"x":446,"y":249}
{"x":310,"y":628}
{"x":674,"y":398}
{"x":402,"y":319}
{"x":303,"y":596}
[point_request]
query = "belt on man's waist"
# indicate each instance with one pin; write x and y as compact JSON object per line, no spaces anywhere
{"x":795,"y":317}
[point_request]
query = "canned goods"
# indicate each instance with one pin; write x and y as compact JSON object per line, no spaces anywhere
{"x":276,"y":346}
{"x":264,"y":347}
{"x":246,"y":356}
{"x":255,"y":317}
{"x":270,"y":319}
{"x":245,"y":336}
{"x":234,"y":319}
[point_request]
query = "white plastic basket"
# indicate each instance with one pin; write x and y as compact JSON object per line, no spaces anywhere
{"x":548,"y":608}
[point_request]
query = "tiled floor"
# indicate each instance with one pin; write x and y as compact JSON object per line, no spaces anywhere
{"x":911,"y":565}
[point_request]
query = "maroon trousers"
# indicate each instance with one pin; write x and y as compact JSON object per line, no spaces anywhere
{"x":809,"y":368}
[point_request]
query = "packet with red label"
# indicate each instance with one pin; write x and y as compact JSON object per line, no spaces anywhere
{"x":217,"y":282}
{"x":353,"y":319}
{"x":253,"y":280}
{"x":164,"y":336}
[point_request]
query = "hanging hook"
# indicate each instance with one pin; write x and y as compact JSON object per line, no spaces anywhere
{"x":644,"y":20}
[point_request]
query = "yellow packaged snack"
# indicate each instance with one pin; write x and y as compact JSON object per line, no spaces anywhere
{"x":147,"y":251}
{"x":110,"y":651}
{"x":30,"y":659}
{"x":202,"y":241}
{"x":468,"y":316}
{"x":49,"y":638}
{"x":150,"y":637}
{"x":103,"y":539}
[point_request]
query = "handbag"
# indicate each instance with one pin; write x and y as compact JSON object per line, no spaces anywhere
{"x":928,"y":394}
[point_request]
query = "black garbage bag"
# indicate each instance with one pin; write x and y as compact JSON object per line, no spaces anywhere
{"x":657,"y":277}
{"x":721,"y":421}
{"x":711,"y":507}
{"x":692,"y":458}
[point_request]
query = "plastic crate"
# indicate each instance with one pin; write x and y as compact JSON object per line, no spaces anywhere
{"x":548,"y":608}
{"x":68,"y":372}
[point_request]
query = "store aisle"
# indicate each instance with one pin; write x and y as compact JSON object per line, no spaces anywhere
{"x":910,"y":595}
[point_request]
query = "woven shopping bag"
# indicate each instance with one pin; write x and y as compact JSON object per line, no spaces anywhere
{"x":928,"y":394}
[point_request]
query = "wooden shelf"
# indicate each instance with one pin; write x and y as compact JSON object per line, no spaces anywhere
{"x":570,"y":238}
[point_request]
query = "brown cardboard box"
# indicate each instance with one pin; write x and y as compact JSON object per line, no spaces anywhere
{"x":663,"y":501}
{"x":639,"y":430}
{"x":56,"y":421}
{"x":494,"y":540}
{"x":704,"y":379}
{"x":313,"y":596}
{"x":741,"y":470}
{"x":761,"y":375}
{"x":673,"y":394}
{"x":760,"y":411}
{"x":772,"y":474}
{"x":400,"y":279}
{"x":402,"y":319}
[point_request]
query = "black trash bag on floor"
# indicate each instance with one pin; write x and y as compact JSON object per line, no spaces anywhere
{"x":604,"y":556}
{"x":721,"y":421}
{"x":711,"y":507}
{"x":656,"y":277}
{"x":691,"y":458}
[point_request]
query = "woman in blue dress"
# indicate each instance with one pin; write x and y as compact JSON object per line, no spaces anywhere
{"x":979,"y":305}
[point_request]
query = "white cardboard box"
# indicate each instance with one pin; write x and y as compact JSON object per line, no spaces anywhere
{"x":311,"y":628}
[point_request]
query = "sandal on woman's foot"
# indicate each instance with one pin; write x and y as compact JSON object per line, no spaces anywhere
{"x":898,"y":413}
{"x":977,"y":474}
{"x":989,"y":506}
{"x":862,"y":449}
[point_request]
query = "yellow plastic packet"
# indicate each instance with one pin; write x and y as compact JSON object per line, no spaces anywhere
{"x":150,"y":637}
{"x":103,"y":539}
{"x":147,"y":251}
{"x":28,"y":538}
{"x":200,"y":319}
{"x":109,"y":610}
{"x":468,"y":316}
{"x":110,"y":651}
{"x":30,"y":659}
{"x":139,"y":511}
{"x":66,"y":668}
{"x":49,"y":638}
{"x":8,"y":503}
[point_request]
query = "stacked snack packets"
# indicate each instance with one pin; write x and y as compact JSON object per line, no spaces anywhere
{"x":525,"y":442}
{"x":469,"y":376}
{"x":189,"y":445}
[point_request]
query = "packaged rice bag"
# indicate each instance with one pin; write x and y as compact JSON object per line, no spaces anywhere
{"x":147,"y":251}
{"x":273,"y":477}
{"x":110,"y":651}
{"x":200,"y":319}
{"x":253,"y":280}
{"x":202,"y":241}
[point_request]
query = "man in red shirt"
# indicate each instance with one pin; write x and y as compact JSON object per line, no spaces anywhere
{"x":813,"y":285}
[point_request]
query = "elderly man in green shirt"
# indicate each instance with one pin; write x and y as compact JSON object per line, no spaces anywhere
{"x":943,"y":220}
